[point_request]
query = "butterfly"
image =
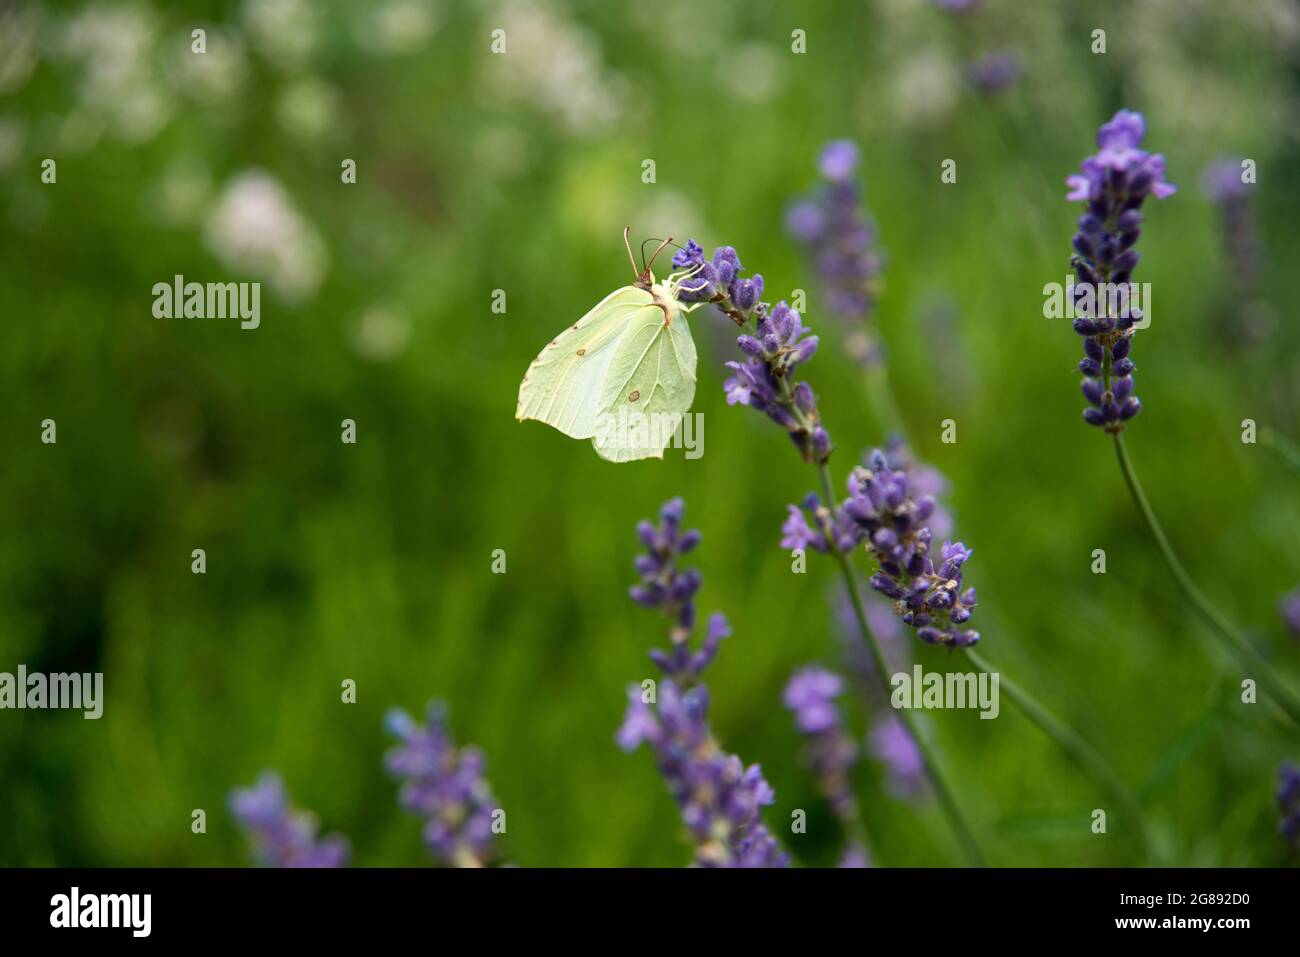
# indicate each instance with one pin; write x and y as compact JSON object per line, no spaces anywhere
{"x":624,"y":374}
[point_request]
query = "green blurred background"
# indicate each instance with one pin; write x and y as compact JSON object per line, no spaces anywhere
{"x":478,"y":172}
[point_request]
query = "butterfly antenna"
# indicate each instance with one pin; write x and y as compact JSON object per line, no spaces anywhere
{"x":628,"y":243}
{"x":658,"y":250}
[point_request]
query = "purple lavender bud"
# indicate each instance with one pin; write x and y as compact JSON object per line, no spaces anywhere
{"x":1119,"y":349}
{"x":1122,"y":388}
{"x":281,"y":836}
{"x":726,"y":265}
{"x":1125,"y":262}
{"x":1123,"y":367}
{"x":691,"y":254}
{"x":1131,"y":407}
{"x":1094,"y":417}
{"x":1090,"y":367}
{"x":745,"y":293}
{"x":804,"y":351}
{"x":931,"y":635}
{"x":803,"y":397}
{"x":1093,"y":349}
{"x":1092,"y":390}
{"x":886,"y":585}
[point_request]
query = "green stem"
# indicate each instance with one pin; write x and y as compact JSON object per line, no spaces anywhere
{"x":1245,"y":653}
{"x":946,"y":801}
{"x":1070,"y":741}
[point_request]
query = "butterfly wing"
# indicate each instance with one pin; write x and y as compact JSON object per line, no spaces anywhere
{"x":649,"y":385}
{"x":563,"y":385}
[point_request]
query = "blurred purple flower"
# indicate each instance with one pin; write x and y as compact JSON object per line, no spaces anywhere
{"x":1289,"y":608}
{"x":281,"y":836}
{"x":445,"y":785}
{"x":893,"y":746}
{"x":1288,"y":802}
{"x":1225,"y":184}
{"x":993,"y":72}
{"x":840,"y":240}
{"x":855,"y":857}
{"x":830,"y":753}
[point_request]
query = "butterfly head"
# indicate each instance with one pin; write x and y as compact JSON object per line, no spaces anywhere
{"x":645,"y":279}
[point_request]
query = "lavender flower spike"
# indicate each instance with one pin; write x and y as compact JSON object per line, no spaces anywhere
{"x":840,"y":240}
{"x":664,"y":586}
{"x":281,"y":836}
{"x":719,"y":797}
{"x":886,"y":514}
{"x":1113,"y":183}
{"x":830,"y":752}
{"x":445,"y":785}
{"x":765,"y":379}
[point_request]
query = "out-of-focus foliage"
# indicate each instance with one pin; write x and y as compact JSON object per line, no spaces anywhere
{"x":479,"y":172}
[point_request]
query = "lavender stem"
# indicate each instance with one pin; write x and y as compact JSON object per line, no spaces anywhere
{"x":950,"y":807}
{"x":1246,"y":654}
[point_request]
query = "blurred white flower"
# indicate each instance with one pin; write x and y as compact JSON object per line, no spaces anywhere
{"x":925,"y":90}
{"x":19,"y":26}
{"x":381,"y":334}
{"x":553,"y":64}
{"x":669,"y":213}
{"x":115,"y":47}
{"x":255,"y":229}
{"x":217,"y":75}
{"x":283,"y":31}
{"x":11,"y":141}
{"x":397,"y":26}
{"x":752,"y":72}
